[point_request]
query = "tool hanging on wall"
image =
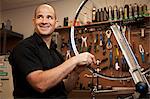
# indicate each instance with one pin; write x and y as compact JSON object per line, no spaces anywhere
{"x":110,"y":59}
{"x":117,"y":58}
{"x":63,"y":43}
{"x":141,"y":49}
{"x":96,"y":38}
{"x":104,"y":44}
{"x":84,"y":43}
{"x":91,"y":38}
{"x":69,"y":46}
{"x":108,"y":34}
{"x":125,"y":67}
{"x":123,"y":28}
{"x":68,"y":55}
{"x":142,"y":32}
{"x":96,"y":47}
{"x":79,"y":42}
{"x":129,"y":35}
{"x":98,"y":62}
{"x":101,"y":39}
{"x":133,"y":47}
{"x":89,"y":49}
{"x":97,"y":78}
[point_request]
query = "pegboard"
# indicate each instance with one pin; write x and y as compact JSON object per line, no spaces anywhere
{"x":102,"y":52}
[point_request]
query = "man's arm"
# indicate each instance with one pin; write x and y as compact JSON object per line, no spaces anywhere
{"x":42,"y":80}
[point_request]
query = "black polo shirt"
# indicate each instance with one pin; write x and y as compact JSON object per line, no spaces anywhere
{"x":29,"y":55}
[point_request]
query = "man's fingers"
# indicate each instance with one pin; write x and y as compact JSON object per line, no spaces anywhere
{"x":93,"y":58}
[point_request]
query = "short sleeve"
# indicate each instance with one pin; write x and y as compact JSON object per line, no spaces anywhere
{"x":25,"y":60}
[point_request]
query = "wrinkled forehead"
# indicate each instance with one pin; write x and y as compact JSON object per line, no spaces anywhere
{"x":45,"y":7}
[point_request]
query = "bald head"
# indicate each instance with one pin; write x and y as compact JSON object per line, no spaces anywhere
{"x":44,"y":20}
{"x":44,"y":5}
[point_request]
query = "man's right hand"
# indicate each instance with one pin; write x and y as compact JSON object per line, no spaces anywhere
{"x":85,"y":58}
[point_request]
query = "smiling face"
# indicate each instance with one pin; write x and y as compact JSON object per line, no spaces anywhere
{"x":44,"y":20}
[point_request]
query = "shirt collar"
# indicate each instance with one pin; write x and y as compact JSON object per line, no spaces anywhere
{"x":40,"y":41}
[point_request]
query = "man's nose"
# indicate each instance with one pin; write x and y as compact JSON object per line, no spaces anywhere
{"x":45,"y":20}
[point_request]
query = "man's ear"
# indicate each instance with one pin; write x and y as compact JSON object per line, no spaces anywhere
{"x":33,"y":21}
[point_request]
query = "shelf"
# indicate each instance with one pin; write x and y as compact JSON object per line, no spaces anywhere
{"x":8,"y":39}
{"x":125,"y":21}
{"x":10,"y":34}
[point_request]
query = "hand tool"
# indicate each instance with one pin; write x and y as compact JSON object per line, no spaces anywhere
{"x":98,"y":62}
{"x":110,"y":59}
{"x":96,"y":39}
{"x":141,"y":49}
{"x":123,"y":29}
{"x":101,"y":39}
{"x":68,"y":55}
{"x":97,"y":78}
{"x":89,"y":48}
{"x":108,"y":34}
{"x":125,"y":67}
{"x":129,"y":35}
{"x":142,"y":32}
{"x":84,"y":43}
{"x":116,"y":58}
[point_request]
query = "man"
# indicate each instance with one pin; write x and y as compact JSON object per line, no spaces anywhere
{"x":39,"y":70}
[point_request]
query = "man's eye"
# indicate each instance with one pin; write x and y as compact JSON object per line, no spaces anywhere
{"x":39,"y":16}
{"x":49,"y":17}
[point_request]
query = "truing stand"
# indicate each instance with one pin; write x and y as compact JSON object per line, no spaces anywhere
{"x":141,"y":83}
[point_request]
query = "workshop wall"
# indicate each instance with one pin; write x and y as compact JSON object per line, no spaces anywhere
{"x":98,"y":51}
{"x":21,"y":17}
